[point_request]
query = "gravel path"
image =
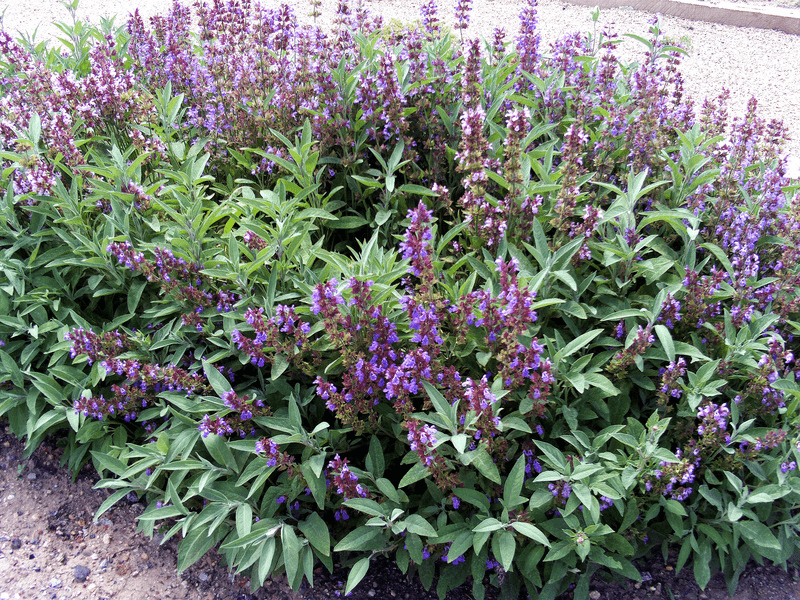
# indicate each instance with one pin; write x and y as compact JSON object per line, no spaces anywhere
{"x":749,"y":62}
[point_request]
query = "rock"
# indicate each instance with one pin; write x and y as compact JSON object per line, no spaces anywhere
{"x":371,"y":593}
{"x":203,"y":576}
{"x":107,"y":522}
{"x":80,"y":572}
{"x":55,"y":582}
{"x":31,"y":476}
{"x":106,"y":539}
{"x":16,"y":544}
{"x":594,"y":595}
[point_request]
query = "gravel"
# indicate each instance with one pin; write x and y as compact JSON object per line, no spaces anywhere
{"x":81,"y":573}
{"x":749,"y":62}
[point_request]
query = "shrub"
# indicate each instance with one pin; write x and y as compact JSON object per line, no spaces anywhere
{"x":505,"y":314}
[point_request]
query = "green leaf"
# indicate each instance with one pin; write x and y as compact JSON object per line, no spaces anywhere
{"x":674,"y":507}
{"x":266,"y":559}
{"x":279,"y":365}
{"x":356,"y":574}
{"x":719,"y":253}
{"x":291,"y":552}
{"x":577,"y":344}
{"x":216,"y":379}
{"x":359,"y":539}
{"x":12,"y":369}
{"x":264,"y":529}
{"x":689,"y":350}
{"x":316,"y":532}
{"x":194,"y":546}
{"x":460,"y":440}
{"x":559,"y":550}
{"x":165,"y":512}
{"x":530,"y":531}
{"x":490,"y":524}
{"x":417,"y":524}
{"x":513,"y":485}
{"x":665,"y":337}
{"x":244,"y":519}
{"x":135,"y":294}
{"x":702,"y":564}
{"x":484,"y":463}
{"x":367,"y":506}
{"x":217,"y":447}
{"x":351,"y":222}
{"x":52,"y":391}
{"x":553,"y":454}
{"x":105,"y":461}
{"x":388,"y":490}
{"x":760,"y":538}
{"x":111,"y":501}
{"x":474,"y":497}
{"x":504,"y":547}
{"x":415,"y":473}
{"x":295,"y":418}
{"x":768,"y":493}
{"x":414,"y":546}
{"x":439,"y":403}
{"x":375,"y":462}
{"x":461,"y":544}
{"x":602,"y":382}
{"x":417,"y":189}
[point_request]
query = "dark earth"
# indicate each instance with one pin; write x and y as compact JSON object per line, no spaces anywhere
{"x":51,"y":548}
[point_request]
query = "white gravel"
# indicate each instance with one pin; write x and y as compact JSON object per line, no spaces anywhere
{"x":749,"y":62}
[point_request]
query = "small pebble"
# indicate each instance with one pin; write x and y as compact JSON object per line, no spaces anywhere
{"x":594,"y":595}
{"x":646,"y":576}
{"x":55,"y":582}
{"x":31,"y":476}
{"x":203,"y":576}
{"x":16,"y":544}
{"x":80,"y":572}
{"x":106,"y":539}
{"x":371,"y":593}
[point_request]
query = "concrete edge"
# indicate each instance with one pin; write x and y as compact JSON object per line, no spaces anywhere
{"x":785,"y":20}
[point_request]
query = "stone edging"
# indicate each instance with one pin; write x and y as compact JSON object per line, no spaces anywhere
{"x":781,"y":19}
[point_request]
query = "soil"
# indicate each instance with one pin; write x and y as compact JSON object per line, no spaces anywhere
{"x":51,"y":548}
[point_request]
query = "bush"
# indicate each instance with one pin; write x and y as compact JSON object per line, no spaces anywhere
{"x":510,"y":316}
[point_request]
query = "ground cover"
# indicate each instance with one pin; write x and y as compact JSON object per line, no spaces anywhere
{"x":505,"y":315}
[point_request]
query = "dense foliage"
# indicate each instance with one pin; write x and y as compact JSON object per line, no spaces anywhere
{"x":505,"y":313}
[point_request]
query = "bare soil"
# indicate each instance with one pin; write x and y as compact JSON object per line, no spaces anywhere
{"x":51,"y":548}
